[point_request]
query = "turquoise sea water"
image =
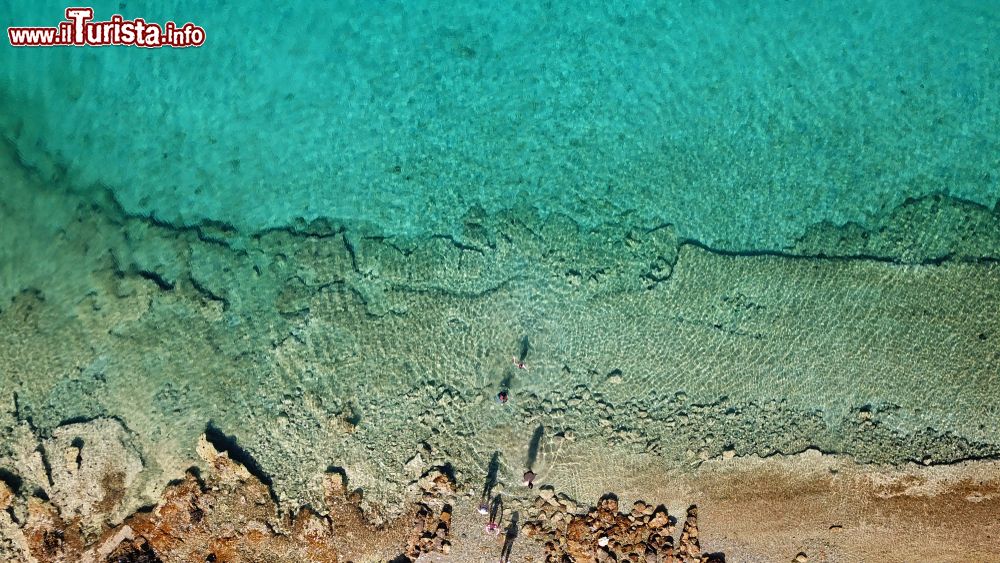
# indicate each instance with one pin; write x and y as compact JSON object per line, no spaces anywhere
{"x":709,"y":228}
{"x":740,"y":124}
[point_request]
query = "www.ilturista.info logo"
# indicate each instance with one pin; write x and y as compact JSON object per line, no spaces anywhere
{"x":79,"y":30}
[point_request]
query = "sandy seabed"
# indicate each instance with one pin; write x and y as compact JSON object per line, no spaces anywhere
{"x":323,"y":392}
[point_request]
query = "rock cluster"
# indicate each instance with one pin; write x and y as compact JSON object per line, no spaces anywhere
{"x":63,"y":492}
{"x":432,"y":525}
{"x":229,"y":515}
{"x":430,"y":532}
{"x":644,"y":534}
{"x":225,"y":514}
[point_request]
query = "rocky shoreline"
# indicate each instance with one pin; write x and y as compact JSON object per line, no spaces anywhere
{"x":656,"y":366}
{"x":802,"y":508}
{"x":227,"y":514}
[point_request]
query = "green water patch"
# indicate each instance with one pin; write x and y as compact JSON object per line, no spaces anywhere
{"x":740,"y":125}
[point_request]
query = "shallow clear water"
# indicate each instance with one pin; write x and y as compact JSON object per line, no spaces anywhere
{"x":707,"y":228}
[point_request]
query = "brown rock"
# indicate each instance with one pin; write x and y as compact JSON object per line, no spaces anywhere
{"x":134,"y":550}
{"x":660,"y":518}
{"x":6,"y":496}
{"x":688,"y":545}
{"x":48,"y":536}
{"x":609,"y":505}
